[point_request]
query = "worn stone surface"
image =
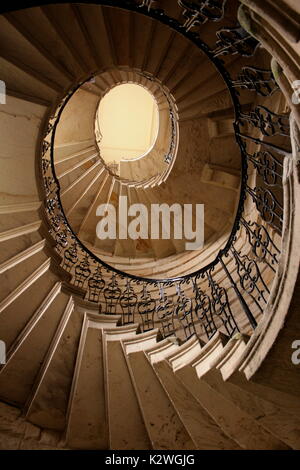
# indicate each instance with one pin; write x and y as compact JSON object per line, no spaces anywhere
{"x":126,"y":426}
{"x":54,"y":387}
{"x":205,"y":433}
{"x":87,"y":425}
{"x":164,"y":427}
{"x":16,"y":434}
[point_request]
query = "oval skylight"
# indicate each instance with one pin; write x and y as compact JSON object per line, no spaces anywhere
{"x":128,"y":120}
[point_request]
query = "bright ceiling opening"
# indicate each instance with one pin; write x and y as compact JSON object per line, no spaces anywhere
{"x":128,"y":121}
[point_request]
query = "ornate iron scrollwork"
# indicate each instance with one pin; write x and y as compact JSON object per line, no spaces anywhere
{"x":203,"y":311}
{"x":198,"y":12}
{"x":267,"y":166}
{"x":184,"y":312}
{"x":210,"y":306}
{"x":61,"y":239}
{"x":128,"y":302}
{"x":56,"y":223}
{"x":49,"y":129}
{"x":250,"y":278}
{"x":235,"y":41}
{"x":96,"y":285}
{"x":268,"y":122}
{"x":168,"y":158}
{"x":82,"y":272}
{"x":268,"y":206}
{"x":51,"y":205}
{"x":50,"y":185}
{"x":255,"y":79}
{"x":146,"y":308}
{"x":45,"y":148}
{"x":165,"y":313}
{"x":149,"y":4}
{"x":112,"y":294}
{"x":70,"y":257}
{"x":262,"y":246}
{"x":221,"y":306}
{"x":45,"y":165}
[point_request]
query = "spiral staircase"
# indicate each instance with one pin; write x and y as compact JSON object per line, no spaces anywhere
{"x":141,"y":344}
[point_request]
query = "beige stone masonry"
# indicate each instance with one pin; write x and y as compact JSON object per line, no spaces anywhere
{"x":50,"y":354}
{"x":25,"y":284}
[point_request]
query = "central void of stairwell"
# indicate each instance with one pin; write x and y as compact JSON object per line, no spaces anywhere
{"x":187,"y":159}
{"x":127,"y":121}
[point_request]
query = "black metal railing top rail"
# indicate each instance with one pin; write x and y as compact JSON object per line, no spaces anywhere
{"x":238,"y":281}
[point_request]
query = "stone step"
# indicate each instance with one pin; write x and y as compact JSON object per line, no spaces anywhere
{"x":281,"y":424}
{"x":234,"y":422}
{"x":87,"y":426}
{"x":17,"y":314}
{"x":164,"y":427}
{"x":12,"y":279}
{"x":82,"y":204}
{"x":25,"y":240}
{"x":205,"y":433}
{"x":67,"y":151}
{"x":54,"y":63}
{"x":53,"y":383}
{"x":68,"y":175}
{"x":284,"y":427}
{"x":24,"y":283}
{"x":126,"y":427}
{"x":87,"y":228}
{"x":18,"y":374}
{"x":190,"y":366}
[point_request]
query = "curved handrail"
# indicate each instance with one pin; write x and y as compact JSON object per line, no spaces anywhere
{"x":230,"y":40}
{"x":234,"y":96}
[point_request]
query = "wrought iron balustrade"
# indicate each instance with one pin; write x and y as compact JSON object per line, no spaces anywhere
{"x":238,"y":280}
